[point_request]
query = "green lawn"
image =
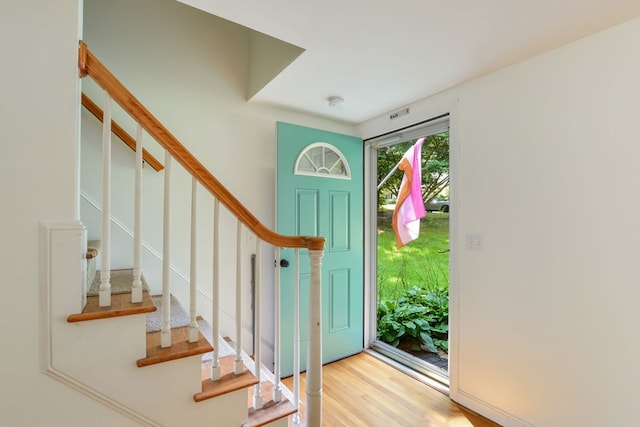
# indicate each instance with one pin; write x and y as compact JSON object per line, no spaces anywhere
{"x":423,"y":262}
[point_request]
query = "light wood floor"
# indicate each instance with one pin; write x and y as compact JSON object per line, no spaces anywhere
{"x":362,"y":390}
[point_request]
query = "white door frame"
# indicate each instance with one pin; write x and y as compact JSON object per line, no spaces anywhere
{"x":370,"y":258}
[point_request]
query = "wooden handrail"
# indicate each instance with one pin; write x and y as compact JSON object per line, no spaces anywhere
{"x":121,"y":133}
{"x":89,"y":65}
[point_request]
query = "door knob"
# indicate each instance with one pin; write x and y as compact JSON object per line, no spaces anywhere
{"x":284,"y":263}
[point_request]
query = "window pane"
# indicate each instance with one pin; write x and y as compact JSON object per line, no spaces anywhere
{"x":322,"y":159}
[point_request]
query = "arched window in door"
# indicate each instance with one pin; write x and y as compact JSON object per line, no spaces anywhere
{"x":322,"y":159}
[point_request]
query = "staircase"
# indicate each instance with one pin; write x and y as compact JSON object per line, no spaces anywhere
{"x":95,"y":338}
{"x":236,"y":388}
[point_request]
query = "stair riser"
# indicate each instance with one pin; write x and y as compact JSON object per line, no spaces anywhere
{"x":105,"y":343}
{"x":284,"y":422}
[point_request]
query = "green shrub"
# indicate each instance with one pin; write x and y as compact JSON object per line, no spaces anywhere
{"x":418,"y":318}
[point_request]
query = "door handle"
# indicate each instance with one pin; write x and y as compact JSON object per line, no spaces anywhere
{"x":284,"y":263}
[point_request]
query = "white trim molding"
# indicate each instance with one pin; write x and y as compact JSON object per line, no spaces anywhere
{"x":62,"y":248}
{"x":492,"y":412}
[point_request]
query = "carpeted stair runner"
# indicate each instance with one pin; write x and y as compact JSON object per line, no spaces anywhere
{"x":179,"y":317}
{"x":224,"y":349}
{"x":120,"y":282}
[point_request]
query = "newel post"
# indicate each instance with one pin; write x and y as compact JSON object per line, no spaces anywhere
{"x":314,"y":352}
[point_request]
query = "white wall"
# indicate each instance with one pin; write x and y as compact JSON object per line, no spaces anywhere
{"x":38,"y":182}
{"x":547,"y":311}
{"x":190,"y":69}
{"x":549,"y":163}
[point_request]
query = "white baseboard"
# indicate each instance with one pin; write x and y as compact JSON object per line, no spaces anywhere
{"x":487,"y":410}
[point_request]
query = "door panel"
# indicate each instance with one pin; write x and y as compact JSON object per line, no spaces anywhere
{"x":307,"y":212}
{"x":339,"y":226}
{"x":332,"y":208}
{"x":339,"y":295}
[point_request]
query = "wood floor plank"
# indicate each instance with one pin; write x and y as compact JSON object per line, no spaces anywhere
{"x":363,"y":391}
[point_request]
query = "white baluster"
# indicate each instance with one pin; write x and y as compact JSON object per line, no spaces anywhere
{"x":215,"y":312}
{"x":136,"y":284}
{"x":314,"y":350}
{"x":257,"y":332}
{"x":296,"y":338}
{"x":277,"y":390}
{"x":104,"y":299}
{"x":193,"y":324}
{"x":239,"y":366}
{"x":165,"y":334}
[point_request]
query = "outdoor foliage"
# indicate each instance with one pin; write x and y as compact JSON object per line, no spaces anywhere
{"x":417,"y":320}
{"x":413,"y":283}
{"x":413,"y":286}
{"x":423,"y":262}
{"x":435,"y":166}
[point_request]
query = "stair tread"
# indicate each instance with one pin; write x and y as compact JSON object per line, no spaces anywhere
{"x":121,"y":305}
{"x":180,"y":347}
{"x":270,"y":411}
{"x":228,"y":382}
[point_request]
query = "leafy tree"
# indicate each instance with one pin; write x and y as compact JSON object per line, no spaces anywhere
{"x":388,"y":158}
{"x":435,"y":167}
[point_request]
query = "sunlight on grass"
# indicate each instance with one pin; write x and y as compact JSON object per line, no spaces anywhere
{"x":423,"y":262}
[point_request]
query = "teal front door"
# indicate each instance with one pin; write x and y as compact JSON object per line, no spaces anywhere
{"x":320,"y":193}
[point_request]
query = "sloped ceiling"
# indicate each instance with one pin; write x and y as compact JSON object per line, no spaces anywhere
{"x":382,"y":55}
{"x":268,"y":56}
